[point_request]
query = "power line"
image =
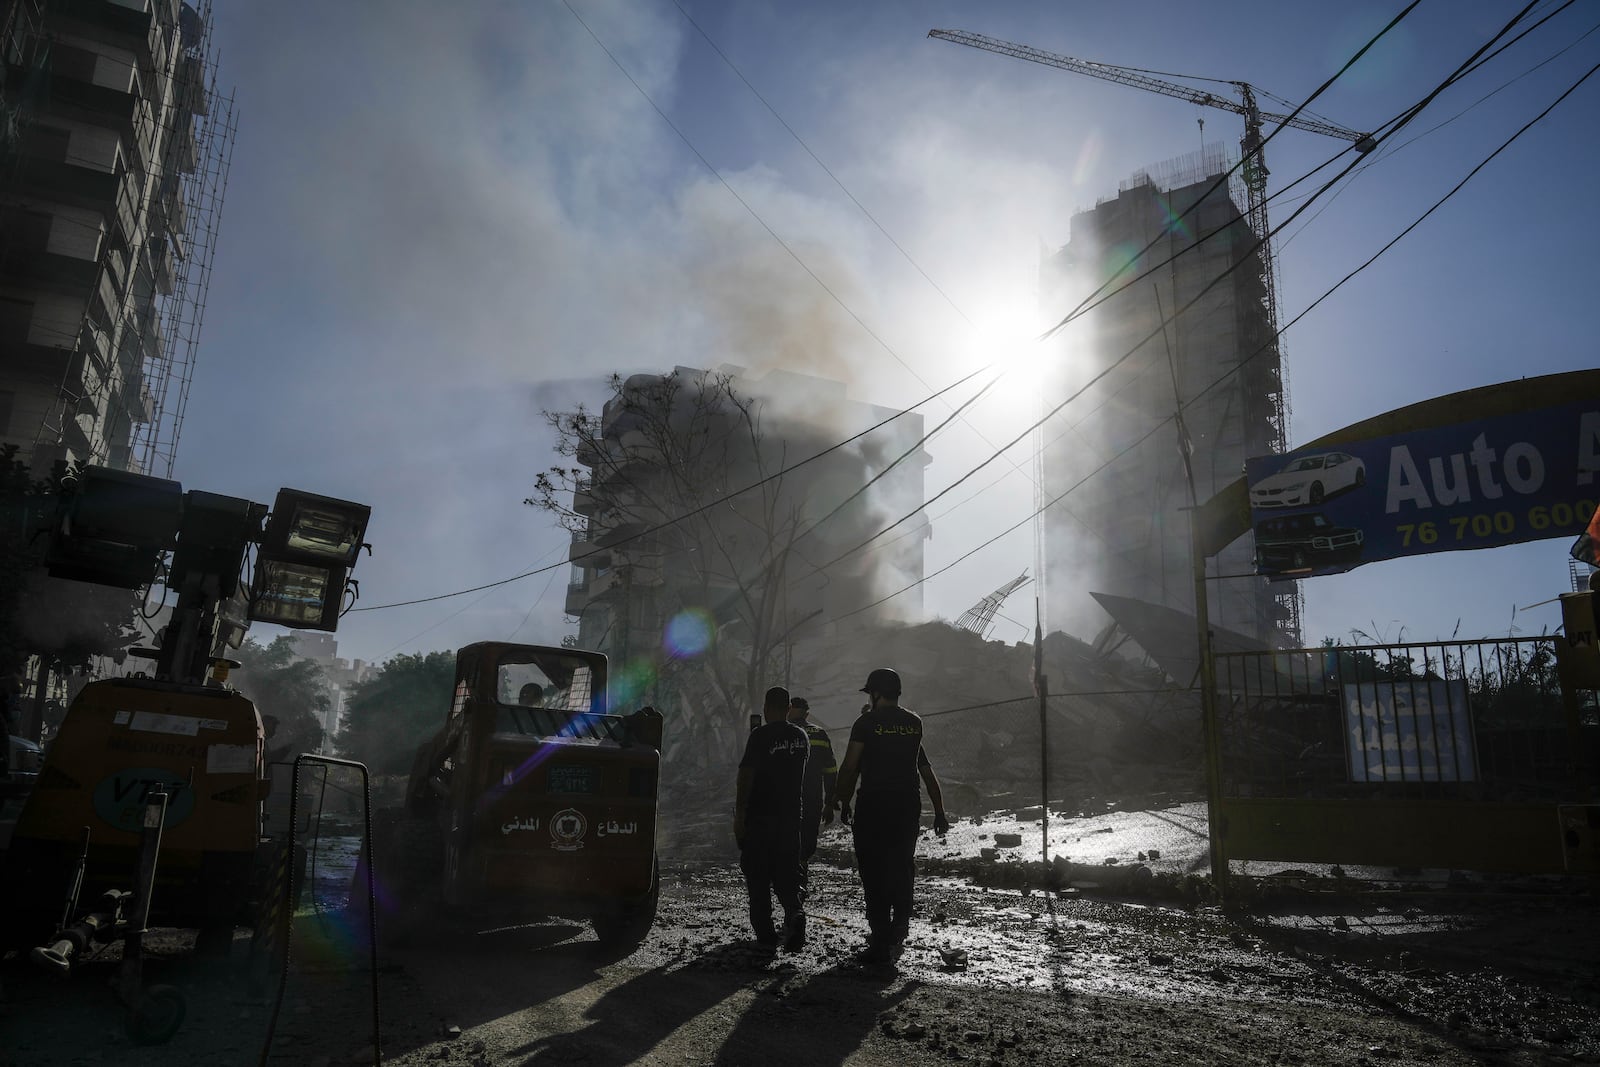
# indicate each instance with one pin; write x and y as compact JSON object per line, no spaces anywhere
{"x":1390,"y":129}
{"x":1164,"y":421}
{"x":870,"y":218}
{"x":680,"y":518}
{"x":1391,"y":153}
{"x":1082,"y":308}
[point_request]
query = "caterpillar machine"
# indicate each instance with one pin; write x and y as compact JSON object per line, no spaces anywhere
{"x":149,"y":807}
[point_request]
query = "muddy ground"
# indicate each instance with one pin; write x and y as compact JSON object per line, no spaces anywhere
{"x":1129,"y":970}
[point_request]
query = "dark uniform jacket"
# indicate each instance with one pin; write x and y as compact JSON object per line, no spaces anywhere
{"x":776,"y":754}
{"x":892,"y":752}
{"x":821,"y":770}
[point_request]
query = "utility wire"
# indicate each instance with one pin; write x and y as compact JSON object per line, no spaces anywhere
{"x":870,"y":218}
{"x":1257,"y":151}
{"x":1261,"y":240}
{"x":679,"y":518}
{"x":1082,"y":308}
{"x":1091,"y":301}
{"x":1391,"y":153}
{"x":1170,"y":418}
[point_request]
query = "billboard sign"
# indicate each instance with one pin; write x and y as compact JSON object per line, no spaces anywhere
{"x":1522,"y":476}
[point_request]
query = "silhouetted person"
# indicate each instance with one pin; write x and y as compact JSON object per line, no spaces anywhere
{"x":886,"y":753}
{"x":822,"y":774}
{"x":531,"y":695}
{"x":766,"y":821}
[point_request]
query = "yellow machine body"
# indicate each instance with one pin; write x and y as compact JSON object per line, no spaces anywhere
{"x":119,"y":740}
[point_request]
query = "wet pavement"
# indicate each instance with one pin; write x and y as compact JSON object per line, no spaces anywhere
{"x":991,"y":973}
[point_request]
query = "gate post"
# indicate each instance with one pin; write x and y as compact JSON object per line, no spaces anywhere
{"x":1216,"y":828}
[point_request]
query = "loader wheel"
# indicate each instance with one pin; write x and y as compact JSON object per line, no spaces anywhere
{"x":416,"y":860}
{"x":622,"y":928}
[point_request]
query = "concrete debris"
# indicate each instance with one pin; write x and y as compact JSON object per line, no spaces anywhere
{"x":1008,"y":840}
{"x":955,"y":959}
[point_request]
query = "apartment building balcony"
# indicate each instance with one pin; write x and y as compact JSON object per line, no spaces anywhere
{"x":94,"y":104}
{"x":607,"y":585}
{"x":106,"y":22}
{"x":66,"y":183}
{"x":585,"y":548}
{"x":36,"y":267}
{"x":577,"y":596}
{"x":583,"y":501}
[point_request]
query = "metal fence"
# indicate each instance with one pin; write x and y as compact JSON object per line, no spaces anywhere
{"x":1436,"y":721}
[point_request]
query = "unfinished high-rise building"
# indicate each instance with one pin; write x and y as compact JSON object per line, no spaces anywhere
{"x":1195,"y":336}
{"x":114,"y":152}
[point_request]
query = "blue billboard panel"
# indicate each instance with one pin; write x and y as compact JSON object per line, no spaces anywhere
{"x":1518,"y":477}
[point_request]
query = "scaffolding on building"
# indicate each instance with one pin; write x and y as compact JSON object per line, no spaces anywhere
{"x":200,"y":191}
{"x":133,"y":368}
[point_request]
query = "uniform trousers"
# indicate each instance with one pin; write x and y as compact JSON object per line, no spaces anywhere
{"x":770,"y":860}
{"x":810,"y":828}
{"x":885,"y":832}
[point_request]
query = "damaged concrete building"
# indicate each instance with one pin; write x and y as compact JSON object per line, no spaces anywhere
{"x":665,"y":445}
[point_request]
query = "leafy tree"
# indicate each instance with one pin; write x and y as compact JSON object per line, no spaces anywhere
{"x":395,"y":709}
{"x":290,"y":689}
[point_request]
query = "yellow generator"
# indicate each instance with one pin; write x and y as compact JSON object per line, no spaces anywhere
{"x":121,"y":739}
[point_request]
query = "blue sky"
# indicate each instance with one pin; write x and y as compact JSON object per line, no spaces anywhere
{"x":443,"y":219}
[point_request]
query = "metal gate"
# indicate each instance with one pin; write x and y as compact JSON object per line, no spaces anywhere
{"x":1456,"y":754}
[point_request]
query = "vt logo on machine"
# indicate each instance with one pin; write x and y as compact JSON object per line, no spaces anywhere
{"x":120,"y":798}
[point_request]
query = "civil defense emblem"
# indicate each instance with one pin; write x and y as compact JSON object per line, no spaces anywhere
{"x":567,"y":828}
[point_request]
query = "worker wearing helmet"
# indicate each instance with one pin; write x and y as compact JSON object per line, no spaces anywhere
{"x":886,"y":754}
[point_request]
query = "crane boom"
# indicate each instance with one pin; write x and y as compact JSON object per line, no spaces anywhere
{"x":1140,"y":80}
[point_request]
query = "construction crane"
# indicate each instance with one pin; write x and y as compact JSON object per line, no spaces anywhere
{"x":980,"y":617}
{"x":1255,"y":164}
{"x":1250,"y":149}
{"x":1255,"y":167}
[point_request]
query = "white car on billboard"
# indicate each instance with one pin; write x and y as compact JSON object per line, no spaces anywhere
{"x":1309,"y":480}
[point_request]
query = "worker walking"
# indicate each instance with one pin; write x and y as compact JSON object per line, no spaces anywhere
{"x":885,"y":752}
{"x":822,"y":774}
{"x":766,"y":821}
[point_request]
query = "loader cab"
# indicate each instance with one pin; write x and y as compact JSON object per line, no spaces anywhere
{"x":535,"y":796}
